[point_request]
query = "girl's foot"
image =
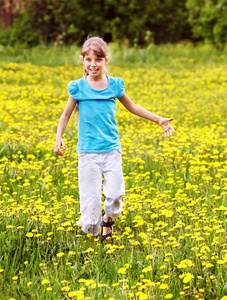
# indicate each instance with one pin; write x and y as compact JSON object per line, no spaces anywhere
{"x":107,"y":228}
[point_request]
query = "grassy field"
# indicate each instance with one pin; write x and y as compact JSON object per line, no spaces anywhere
{"x":171,"y":240}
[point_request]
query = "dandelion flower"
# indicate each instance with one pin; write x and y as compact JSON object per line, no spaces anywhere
{"x":143,"y":297}
{"x":45,"y":281}
{"x":122,"y":271}
{"x":29,"y":234}
{"x":15,"y":278}
{"x":164,"y":286}
{"x":115,"y":284}
{"x":89,"y":250}
{"x":65,"y":289}
{"x":60,"y":254}
{"x":169,"y":296}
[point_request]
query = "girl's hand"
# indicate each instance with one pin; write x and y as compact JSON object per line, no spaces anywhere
{"x":57,"y":147}
{"x":164,"y":123}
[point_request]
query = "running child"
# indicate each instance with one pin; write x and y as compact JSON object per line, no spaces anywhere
{"x":99,"y":149}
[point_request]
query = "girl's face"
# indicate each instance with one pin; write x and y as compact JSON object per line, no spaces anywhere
{"x":94,"y":65}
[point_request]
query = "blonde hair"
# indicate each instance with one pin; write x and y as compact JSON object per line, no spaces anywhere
{"x":96,"y":44}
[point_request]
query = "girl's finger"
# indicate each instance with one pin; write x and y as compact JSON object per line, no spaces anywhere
{"x":63,"y":144}
{"x":171,"y":128}
{"x":170,"y":119}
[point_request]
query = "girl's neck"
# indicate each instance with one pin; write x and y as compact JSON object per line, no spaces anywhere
{"x":97,"y":82}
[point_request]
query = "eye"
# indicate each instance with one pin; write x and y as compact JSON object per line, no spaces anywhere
{"x":99,"y":59}
{"x":88,"y":59}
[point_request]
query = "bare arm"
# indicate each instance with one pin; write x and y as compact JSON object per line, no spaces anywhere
{"x":70,"y":105}
{"x":143,"y":113}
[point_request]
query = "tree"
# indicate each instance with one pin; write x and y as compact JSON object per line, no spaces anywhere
{"x":208,"y":20}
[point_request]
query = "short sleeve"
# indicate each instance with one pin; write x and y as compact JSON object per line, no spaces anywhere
{"x":121,"y":88}
{"x":73,"y":89}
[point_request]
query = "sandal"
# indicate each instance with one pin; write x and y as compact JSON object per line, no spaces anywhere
{"x":106,"y":224}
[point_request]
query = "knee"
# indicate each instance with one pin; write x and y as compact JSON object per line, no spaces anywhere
{"x":116,"y":198}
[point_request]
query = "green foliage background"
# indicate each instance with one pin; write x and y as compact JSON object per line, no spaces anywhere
{"x":131,"y":21}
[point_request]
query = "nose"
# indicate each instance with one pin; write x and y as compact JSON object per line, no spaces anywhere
{"x":93,"y":63}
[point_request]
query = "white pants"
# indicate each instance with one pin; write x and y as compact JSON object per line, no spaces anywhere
{"x":91,"y":166}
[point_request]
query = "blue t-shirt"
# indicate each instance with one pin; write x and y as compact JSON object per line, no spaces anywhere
{"x":97,"y":128}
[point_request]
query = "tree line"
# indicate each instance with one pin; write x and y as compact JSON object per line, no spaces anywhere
{"x":136,"y":22}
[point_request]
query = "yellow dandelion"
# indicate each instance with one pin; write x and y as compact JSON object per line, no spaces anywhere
{"x":29,"y":234}
{"x":89,"y":250}
{"x":148,"y":269}
{"x":220,"y":262}
{"x":78,"y":294}
{"x":187,"y":279}
{"x":122,"y":271}
{"x":163,"y":286}
{"x":143,"y":296}
{"x":115,"y":284}
{"x":15,"y":278}
{"x":168,"y":296}
{"x":60,"y":254}
{"x":65,"y":289}
{"x":45,"y":281}
{"x":209,"y":265}
{"x":9,"y":226}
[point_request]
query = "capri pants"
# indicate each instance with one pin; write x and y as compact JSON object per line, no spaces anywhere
{"x":91,"y":166}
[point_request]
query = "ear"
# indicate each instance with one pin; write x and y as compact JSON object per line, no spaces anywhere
{"x":107,"y":60}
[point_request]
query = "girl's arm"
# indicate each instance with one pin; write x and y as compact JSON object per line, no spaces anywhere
{"x":70,"y":105}
{"x":143,"y":113}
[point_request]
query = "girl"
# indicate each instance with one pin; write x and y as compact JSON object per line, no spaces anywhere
{"x":99,"y":150}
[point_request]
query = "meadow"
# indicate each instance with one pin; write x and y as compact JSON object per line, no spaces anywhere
{"x":171,"y":239}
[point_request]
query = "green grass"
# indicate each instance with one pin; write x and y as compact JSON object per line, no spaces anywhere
{"x":171,"y":238}
{"x":157,"y":56}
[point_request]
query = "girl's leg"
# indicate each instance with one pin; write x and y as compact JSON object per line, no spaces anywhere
{"x":113,"y":187}
{"x":90,"y":184}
